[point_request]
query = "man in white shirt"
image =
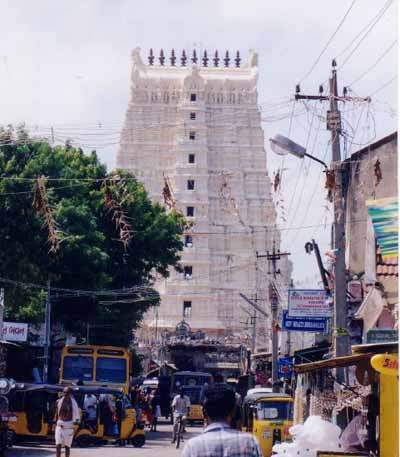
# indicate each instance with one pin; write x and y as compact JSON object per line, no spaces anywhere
{"x":180,"y":409}
{"x":90,"y":407}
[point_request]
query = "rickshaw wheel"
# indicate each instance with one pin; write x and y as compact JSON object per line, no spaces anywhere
{"x":84,"y":441}
{"x":138,"y":441}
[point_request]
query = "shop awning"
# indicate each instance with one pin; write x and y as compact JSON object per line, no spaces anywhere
{"x":336,"y":362}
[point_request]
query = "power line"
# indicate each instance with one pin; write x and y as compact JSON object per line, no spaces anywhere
{"x":374,"y":64}
{"x":364,"y":36}
{"x":329,"y":41}
{"x":376,"y":17}
{"x":383,"y":85}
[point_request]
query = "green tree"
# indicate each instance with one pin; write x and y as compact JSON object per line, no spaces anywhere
{"x":89,"y":230}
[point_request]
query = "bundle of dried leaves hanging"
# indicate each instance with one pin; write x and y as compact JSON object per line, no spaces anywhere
{"x":42,"y":207}
{"x":168,"y":195}
{"x":330,"y":184}
{"x":115,"y":192}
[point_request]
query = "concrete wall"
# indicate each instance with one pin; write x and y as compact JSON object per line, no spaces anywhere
{"x":363,"y":186}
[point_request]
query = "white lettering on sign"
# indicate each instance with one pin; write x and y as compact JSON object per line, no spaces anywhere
{"x":15,"y":331}
{"x":308,"y":303}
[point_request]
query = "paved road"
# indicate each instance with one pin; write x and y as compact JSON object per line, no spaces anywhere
{"x":160,"y":440}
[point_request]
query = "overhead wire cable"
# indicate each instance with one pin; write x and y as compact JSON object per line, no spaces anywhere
{"x":383,"y":86}
{"x":338,"y":27}
{"x":364,"y":36}
{"x":371,"y":22}
{"x":373,"y":65}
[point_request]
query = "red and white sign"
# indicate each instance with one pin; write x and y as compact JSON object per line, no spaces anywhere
{"x":308,"y":303}
{"x":15,"y":331}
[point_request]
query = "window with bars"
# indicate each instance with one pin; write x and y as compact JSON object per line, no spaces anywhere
{"x":188,"y":241}
{"x":192,"y":158}
{"x":190,"y":211}
{"x":193,"y":97}
{"x":190,"y":184}
{"x":192,"y":116}
{"x":192,"y":135}
{"x":187,"y":308}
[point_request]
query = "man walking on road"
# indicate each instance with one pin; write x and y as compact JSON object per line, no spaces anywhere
{"x":218,"y":439}
{"x":180,"y":408}
{"x":67,"y":414}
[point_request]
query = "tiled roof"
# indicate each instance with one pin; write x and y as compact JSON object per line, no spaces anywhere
{"x":386,"y":268}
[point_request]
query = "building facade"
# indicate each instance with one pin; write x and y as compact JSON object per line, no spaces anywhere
{"x":371,"y":204}
{"x":193,"y":136}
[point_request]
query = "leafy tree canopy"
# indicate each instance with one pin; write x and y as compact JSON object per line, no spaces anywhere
{"x":81,"y":228}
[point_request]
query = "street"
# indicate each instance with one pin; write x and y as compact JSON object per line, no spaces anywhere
{"x":160,"y":440}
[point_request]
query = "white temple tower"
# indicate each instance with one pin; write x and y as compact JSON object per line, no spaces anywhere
{"x":196,"y":123}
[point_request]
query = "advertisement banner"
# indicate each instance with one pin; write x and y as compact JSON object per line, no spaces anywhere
{"x":285,"y":367}
{"x":304,"y":324}
{"x":15,"y":331}
{"x":309,"y":303}
{"x":382,"y":335}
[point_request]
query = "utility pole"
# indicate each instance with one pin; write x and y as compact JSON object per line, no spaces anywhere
{"x":253,"y":319}
{"x":47,"y":335}
{"x":341,"y":336}
{"x":2,"y":304}
{"x":274,"y":301}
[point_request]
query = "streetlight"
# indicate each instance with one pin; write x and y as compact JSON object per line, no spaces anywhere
{"x":282,"y":145}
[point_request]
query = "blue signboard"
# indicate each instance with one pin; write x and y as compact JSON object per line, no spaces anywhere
{"x":304,"y":324}
{"x":285,"y":367}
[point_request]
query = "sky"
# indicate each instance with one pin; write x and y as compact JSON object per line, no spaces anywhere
{"x":66,"y":65}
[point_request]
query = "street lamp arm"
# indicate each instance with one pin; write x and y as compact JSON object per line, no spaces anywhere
{"x":316,"y":160}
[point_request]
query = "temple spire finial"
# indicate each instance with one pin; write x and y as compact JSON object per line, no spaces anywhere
{"x":162,"y":58}
{"x":183,"y":59}
{"x":216,"y":59}
{"x":205,"y":59}
{"x":227,"y":59}
{"x":237,"y":59}
{"x":194,"y":56}
{"x":173,"y":58}
{"x":151,"y":57}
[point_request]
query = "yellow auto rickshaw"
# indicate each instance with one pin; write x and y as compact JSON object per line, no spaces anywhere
{"x":105,"y":424}
{"x":33,"y":406}
{"x":268,"y":416}
{"x":196,"y":409}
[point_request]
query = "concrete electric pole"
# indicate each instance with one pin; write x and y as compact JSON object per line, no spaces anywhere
{"x":2,"y":303}
{"x":274,"y":301}
{"x":341,"y":336}
{"x":47,"y":336}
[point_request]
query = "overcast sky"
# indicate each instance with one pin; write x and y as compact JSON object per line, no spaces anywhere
{"x":66,"y":64}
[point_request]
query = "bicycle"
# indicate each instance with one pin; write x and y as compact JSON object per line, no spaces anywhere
{"x":178,"y":437}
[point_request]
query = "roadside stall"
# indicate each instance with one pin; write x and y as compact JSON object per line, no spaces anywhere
{"x":365,"y":406}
